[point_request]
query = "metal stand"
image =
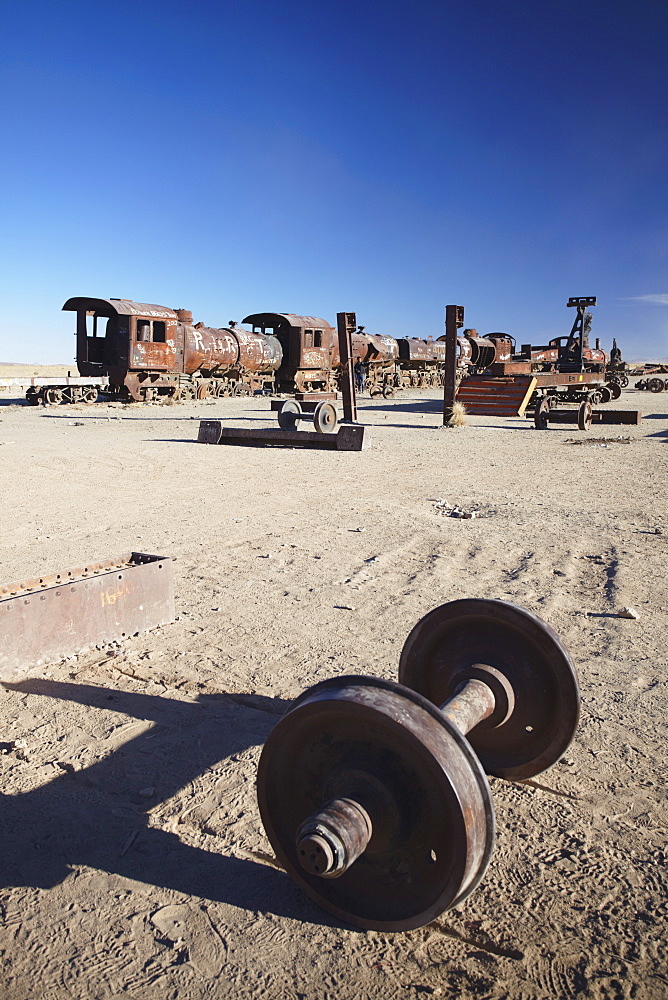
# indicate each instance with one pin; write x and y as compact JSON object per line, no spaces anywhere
{"x":454,"y":318}
{"x":347,"y":324}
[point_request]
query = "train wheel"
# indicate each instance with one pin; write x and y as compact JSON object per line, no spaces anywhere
{"x":388,"y":390}
{"x":32,"y":396}
{"x":52,"y":395}
{"x":542,"y":414}
{"x":655,"y":385}
{"x":325,"y":418}
{"x":615,"y":389}
{"x":89,"y":394}
{"x":595,"y":398}
{"x":624,"y":381}
{"x":241,"y":389}
{"x":187,"y":392}
{"x":584,"y":416}
{"x":605,"y":394}
{"x":289,"y":415}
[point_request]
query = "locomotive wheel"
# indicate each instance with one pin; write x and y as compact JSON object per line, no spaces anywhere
{"x":606,"y":395}
{"x":241,"y":389}
{"x":289,"y":414}
{"x":531,"y":669}
{"x":221,"y":389}
{"x":388,"y":391}
{"x":90,"y":394}
{"x":642,"y":385}
{"x":585,"y":415}
{"x":325,"y":418}
{"x":541,"y":415}
{"x":53,"y":395}
{"x":375,"y":803}
{"x":187,"y":391}
{"x":595,"y":398}
{"x":202,"y":390}
{"x":655,"y":385}
{"x":615,"y":389}
{"x":32,"y":395}
{"x":624,"y":381}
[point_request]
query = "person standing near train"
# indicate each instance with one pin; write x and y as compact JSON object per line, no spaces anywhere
{"x":359,"y":371}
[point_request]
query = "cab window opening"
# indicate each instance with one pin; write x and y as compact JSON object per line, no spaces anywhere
{"x":143,"y":329}
{"x":96,"y":326}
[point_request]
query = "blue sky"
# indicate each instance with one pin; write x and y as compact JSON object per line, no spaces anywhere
{"x":386,"y":158}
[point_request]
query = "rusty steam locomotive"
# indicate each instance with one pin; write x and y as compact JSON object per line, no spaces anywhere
{"x":134,"y":351}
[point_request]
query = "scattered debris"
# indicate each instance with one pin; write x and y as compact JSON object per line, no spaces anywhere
{"x":628,"y":613}
{"x":345,"y":607}
{"x":448,"y":509}
{"x":603,"y":442}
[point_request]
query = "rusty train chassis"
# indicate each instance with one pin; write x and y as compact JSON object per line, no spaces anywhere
{"x":382,"y":379}
{"x":150,"y":386}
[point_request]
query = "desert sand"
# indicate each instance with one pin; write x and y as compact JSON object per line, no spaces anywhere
{"x":134,"y":861}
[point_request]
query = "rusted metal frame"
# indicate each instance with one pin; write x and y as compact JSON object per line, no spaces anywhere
{"x":583,"y":379}
{"x":346,"y":325}
{"x":26,"y":383}
{"x":49,"y":618}
{"x":632,"y":417}
{"x":454,"y":318}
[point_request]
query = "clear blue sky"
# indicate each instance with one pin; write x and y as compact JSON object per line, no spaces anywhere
{"x":388,"y":158}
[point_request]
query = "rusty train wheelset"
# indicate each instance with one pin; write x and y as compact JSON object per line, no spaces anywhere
{"x":372,"y":795}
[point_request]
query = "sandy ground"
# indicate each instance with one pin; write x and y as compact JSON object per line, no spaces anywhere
{"x":134,"y":862}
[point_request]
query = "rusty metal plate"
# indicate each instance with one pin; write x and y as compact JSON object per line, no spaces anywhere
{"x":51,"y":617}
{"x":209,"y":431}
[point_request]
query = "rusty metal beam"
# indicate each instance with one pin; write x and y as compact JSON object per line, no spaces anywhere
{"x":51,"y":617}
{"x":347,"y":324}
{"x":454,"y":318}
{"x":349,"y":437}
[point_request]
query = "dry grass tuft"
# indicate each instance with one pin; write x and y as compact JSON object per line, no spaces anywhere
{"x":458,"y":418}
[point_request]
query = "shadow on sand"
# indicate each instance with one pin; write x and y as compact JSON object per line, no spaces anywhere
{"x":95,"y":816}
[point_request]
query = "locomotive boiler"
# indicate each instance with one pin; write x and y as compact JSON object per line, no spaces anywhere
{"x":147,"y":351}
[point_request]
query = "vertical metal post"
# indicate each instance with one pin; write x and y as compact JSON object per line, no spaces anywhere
{"x":347,"y":324}
{"x":82,"y":336}
{"x":454,"y":318}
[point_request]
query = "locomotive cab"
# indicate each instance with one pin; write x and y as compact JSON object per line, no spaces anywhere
{"x":115,"y":336}
{"x":307,"y":344}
